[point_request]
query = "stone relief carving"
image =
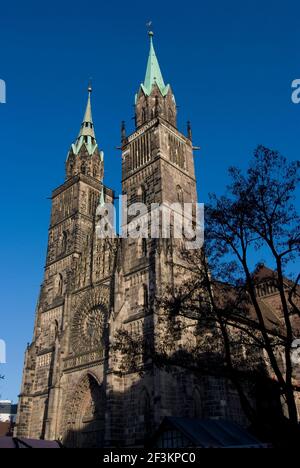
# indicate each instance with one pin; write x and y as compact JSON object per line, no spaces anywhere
{"x":83,"y":422}
{"x":89,"y":321}
{"x":87,"y":329}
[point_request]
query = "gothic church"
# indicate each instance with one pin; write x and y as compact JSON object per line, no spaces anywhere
{"x":93,"y":287}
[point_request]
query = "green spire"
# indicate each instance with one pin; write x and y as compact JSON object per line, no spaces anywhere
{"x":87,"y":126}
{"x":87,"y":133}
{"x":153,"y":73}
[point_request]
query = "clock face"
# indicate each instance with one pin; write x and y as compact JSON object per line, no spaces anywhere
{"x":87,"y":329}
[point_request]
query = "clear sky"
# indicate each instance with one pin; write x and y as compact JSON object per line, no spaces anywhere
{"x":230,"y":64}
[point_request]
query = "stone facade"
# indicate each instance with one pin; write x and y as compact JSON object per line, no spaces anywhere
{"x":93,"y":287}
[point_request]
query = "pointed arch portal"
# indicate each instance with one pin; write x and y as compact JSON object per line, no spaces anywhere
{"x":85,"y":415}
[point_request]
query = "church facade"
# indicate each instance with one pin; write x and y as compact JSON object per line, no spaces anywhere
{"x":93,"y":287}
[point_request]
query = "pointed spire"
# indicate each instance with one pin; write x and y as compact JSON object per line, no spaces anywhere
{"x":87,"y":132}
{"x":153,"y":72}
{"x":87,"y":126}
{"x":123,"y":132}
{"x":189,"y":131}
{"x":102,"y":198}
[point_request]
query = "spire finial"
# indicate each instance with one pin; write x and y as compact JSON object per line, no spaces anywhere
{"x":86,"y":134}
{"x":87,"y":126}
{"x":189,"y":130}
{"x":123,"y":131}
{"x":153,"y":72}
{"x":150,"y":32}
{"x":90,"y":88}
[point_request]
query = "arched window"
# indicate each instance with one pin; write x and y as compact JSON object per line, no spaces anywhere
{"x":142,"y":194}
{"x":71,"y":167}
{"x":145,"y":411}
{"x":197,"y":406}
{"x":143,"y":115}
{"x":83,"y":168}
{"x":144,"y":247}
{"x":54,"y":328}
{"x":64,"y":242}
{"x":145,"y":296}
{"x":179,"y":194}
{"x":58,"y":284}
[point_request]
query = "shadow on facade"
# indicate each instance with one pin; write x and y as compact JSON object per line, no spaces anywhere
{"x":96,"y":415}
{"x":131,"y":418}
{"x":118,"y":420}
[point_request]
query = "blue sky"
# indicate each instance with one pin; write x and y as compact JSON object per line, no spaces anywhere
{"x":230,"y":64}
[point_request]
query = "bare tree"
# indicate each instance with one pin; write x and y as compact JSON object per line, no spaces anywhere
{"x":258,"y":212}
{"x":218,"y":301}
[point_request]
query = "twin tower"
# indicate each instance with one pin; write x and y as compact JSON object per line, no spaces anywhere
{"x":71,"y":388}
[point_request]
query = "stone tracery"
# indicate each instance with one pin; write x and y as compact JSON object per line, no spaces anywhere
{"x":87,"y":332}
{"x":83,"y":421}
